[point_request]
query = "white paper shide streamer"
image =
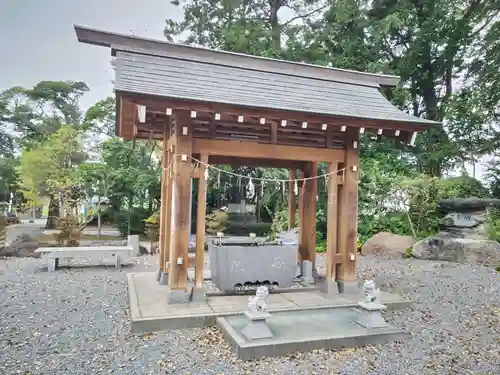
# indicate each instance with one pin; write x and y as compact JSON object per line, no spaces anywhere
{"x":250,"y":189}
{"x":206,"y":173}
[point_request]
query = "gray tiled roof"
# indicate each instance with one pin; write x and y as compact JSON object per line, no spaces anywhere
{"x":191,"y":80}
{"x":130,"y":43}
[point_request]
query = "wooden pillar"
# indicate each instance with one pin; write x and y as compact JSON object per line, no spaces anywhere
{"x":291,"y":199}
{"x":200,"y":224}
{"x":163,"y":243}
{"x":331,"y":234}
{"x":302,"y":255}
{"x":168,"y":209}
{"x":348,"y":215}
{"x":309,"y":208}
{"x":180,"y":215}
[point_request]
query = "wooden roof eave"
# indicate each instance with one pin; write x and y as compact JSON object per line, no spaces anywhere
{"x":161,"y":103}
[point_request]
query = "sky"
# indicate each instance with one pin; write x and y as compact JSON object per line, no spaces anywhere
{"x":37,"y":40}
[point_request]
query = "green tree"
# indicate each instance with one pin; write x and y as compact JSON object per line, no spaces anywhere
{"x":247,"y":26}
{"x":38,"y":112}
{"x":48,"y":169}
{"x":428,"y":43}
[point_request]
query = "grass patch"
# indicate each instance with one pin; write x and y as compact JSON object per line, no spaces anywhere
{"x":408,"y":254}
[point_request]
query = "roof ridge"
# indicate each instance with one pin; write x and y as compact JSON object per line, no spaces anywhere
{"x":151,"y":53}
{"x":201,"y":54}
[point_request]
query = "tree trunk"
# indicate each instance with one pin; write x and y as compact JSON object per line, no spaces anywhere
{"x":257,"y":204}
{"x":53,"y":217}
{"x":99,"y":223}
{"x":150,"y":203}
{"x":275,"y":25}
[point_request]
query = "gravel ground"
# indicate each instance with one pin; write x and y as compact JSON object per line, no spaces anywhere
{"x":74,"y":321}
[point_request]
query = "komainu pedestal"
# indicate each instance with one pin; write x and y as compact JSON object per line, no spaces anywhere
{"x":371,"y":308}
{"x":257,"y":314}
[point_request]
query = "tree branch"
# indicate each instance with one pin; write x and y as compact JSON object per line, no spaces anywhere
{"x":301,"y":16}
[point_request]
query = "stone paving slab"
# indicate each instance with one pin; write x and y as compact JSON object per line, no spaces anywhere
{"x":305,"y":331}
{"x":149,"y":310}
{"x":313,"y":299}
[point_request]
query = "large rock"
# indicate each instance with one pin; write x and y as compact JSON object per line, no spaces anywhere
{"x":465,"y":218}
{"x":467,"y":204}
{"x":458,"y":250}
{"x":22,"y":247}
{"x":387,"y":244}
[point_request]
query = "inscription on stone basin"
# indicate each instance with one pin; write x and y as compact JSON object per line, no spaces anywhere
{"x":278,"y":263}
{"x":234,"y":264}
{"x":460,"y":220}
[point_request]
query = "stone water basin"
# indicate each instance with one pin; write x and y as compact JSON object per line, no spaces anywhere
{"x":235,"y":264}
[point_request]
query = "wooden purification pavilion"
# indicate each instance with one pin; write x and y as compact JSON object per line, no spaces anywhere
{"x":227,"y":108}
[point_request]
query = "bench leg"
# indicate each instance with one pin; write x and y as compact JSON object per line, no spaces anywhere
{"x":118,"y":263}
{"x":53,"y":264}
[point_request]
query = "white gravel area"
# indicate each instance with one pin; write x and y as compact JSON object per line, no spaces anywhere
{"x":74,"y":321}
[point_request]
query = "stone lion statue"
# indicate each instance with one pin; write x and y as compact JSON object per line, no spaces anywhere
{"x":371,"y":291}
{"x":257,"y":304}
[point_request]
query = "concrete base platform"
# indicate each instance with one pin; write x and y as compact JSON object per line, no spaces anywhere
{"x":150,"y":312}
{"x":305,"y":331}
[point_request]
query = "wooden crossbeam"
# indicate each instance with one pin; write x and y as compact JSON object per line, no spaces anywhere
{"x":161,"y":104}
{"x":268,"y":151}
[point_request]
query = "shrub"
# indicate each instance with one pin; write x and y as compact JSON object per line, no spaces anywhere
{"x":69,"y":232}
{"x":216,"y":222}
{"x":462,"y":187}
{"x":153,"y":226}
{"x":279,"y":223}
{"x":3,"y":230}
{"x":137,"y":217}
{"x":493,"y":224}
{"x":244,"y":229}
{"x":393,"y":222}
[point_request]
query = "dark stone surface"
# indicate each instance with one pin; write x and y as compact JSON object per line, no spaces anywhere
{"x":466,"y":204}
{"x":457,"y":250}
{"x":23,"y":246}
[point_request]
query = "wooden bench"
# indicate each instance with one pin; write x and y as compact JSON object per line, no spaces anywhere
{"x":119,"y":253}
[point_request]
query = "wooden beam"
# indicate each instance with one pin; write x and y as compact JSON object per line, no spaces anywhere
{"x":348,"y":214}
{"x":154,"y":123}
{"x":195,"y":171}
{"x":127,"y":117}
{"x":200,"y":224}
{"x":277,"y":114}
{"x":302,"y":255}
{"x":316,"y":137}
{"x":163,"y":244}
{"x":252,"y":150}
{"x":274,"y":133}
{"x":309,"y":208}
{"x":331,"y":233}
{"x":254,"y":162}
{"x":168,"y":212}
{"x":292,"y":201}
{"x":181,"y":198}
{"x":252,"y":125}
{"x":118,"y":114}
